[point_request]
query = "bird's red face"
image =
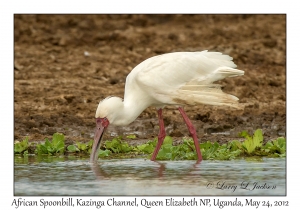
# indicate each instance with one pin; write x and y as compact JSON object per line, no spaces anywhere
{"x":101,"y":125}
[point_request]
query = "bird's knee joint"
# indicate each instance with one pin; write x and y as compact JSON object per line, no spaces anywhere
{"x":192,"y":131}
{"x":162,"y":135}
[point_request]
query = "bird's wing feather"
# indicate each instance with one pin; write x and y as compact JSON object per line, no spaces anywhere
{"x":171,"y":75}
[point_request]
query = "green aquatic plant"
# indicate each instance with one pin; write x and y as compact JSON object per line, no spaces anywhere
{"x":275,"y":148}
{"x":251,"y":146}
{"x":21,"y":147}
{"x":72,"y":148}
{"x":186,"y":150}
{"x":57,"y":145}
{"x":215,"y":151}
{"x":118,"y":146}
{"x":252,"y":142}
{"x":81,"y":147}
{"x":167,"y":151}
{"x":234,"y":145}
{"x":147,"y":148}
{"x":104,"y":153}
{"x":85,"y":147}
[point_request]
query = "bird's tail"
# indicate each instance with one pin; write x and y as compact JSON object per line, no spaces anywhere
{"x":205,"y":94}
{"x":218,"y":74}
{"x":225,"y":71}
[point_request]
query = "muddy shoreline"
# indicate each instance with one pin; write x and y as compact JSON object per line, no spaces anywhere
{"x":65,"y":64}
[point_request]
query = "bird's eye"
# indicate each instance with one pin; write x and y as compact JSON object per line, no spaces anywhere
{"x":104,"y":119}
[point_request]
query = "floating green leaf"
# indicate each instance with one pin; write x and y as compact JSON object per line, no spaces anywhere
{"x":252,"y":143}
{"x":234,"y":145}
{"x":72,"y":148}
{"x":243,"y":134}
{"x":165,"y":153}
{"x":275,"y":148}
{"x":168,"y":140}
{"x":85,"y":147}
{"x":81,"y":146}
{"x":21,"y":147}
{"x":56,"y":146}
{"x":104,"y":153}
{"x":118,"y":146}
{"x":58,"y":142}
{"x":146,"y":148}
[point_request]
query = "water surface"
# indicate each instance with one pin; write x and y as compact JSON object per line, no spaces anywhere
{"x":72,"y":176}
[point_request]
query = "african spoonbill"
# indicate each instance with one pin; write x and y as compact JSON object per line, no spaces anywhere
{"x":178,"y":78}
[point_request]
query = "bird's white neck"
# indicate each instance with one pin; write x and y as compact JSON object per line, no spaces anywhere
{"x":121,"y":113}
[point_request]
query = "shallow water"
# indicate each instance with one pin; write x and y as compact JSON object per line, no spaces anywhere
{"x":69,"y":175}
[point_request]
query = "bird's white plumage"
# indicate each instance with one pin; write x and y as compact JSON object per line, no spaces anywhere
{"x":172,"y":79}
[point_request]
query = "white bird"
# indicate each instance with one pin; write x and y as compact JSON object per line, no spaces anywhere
{"x":178,"y":78}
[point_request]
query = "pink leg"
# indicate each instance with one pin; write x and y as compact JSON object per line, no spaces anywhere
{"x":192,"y":132}
{"x":161,"y":134}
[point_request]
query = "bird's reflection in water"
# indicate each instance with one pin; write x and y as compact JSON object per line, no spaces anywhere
{"x":98,"y":171}
{"x":154,"y":170}
{"x":101,"y":170}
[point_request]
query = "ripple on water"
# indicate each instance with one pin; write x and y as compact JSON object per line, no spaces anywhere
{"x":143,"y":177}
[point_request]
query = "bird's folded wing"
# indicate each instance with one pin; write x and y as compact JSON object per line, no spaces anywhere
{"x":186,"y":76}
